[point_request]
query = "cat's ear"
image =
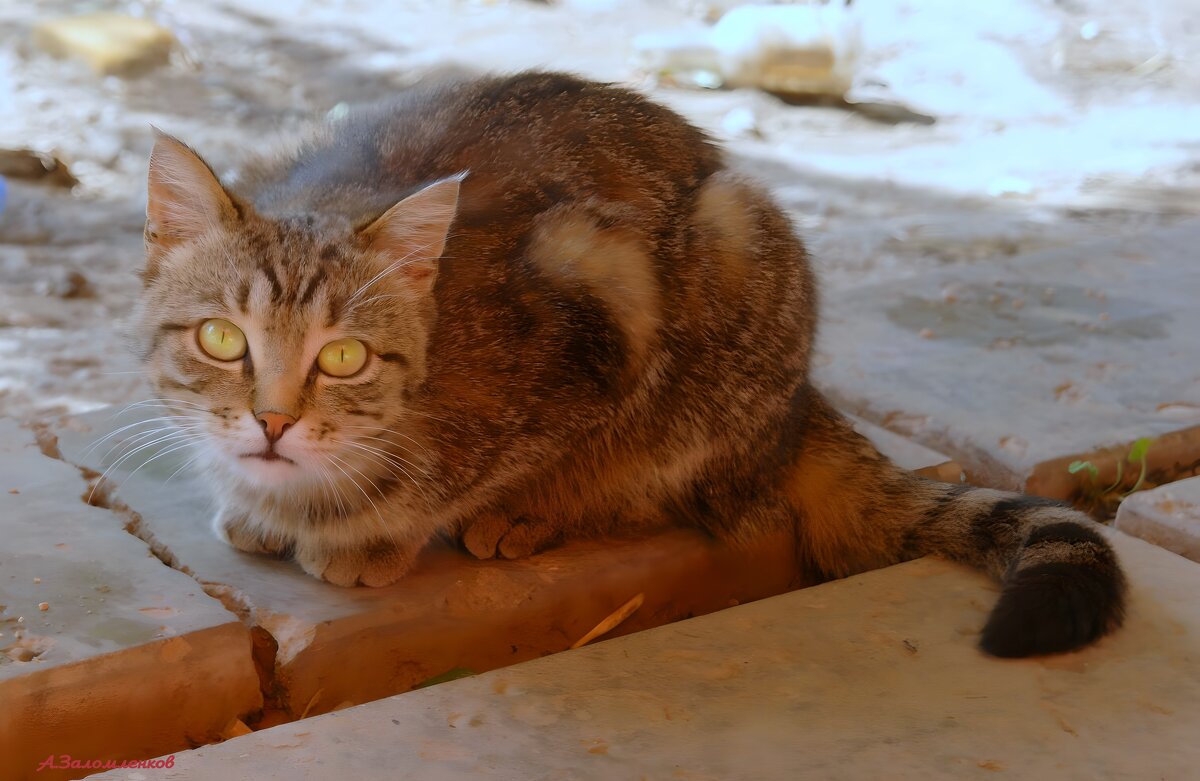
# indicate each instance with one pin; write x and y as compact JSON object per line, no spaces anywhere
{"x":411,"y":235}
{"x":185,"y":200}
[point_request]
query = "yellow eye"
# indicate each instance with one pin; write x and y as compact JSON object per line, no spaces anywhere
{"x":222,"y":339}
{"x":342,"y":358}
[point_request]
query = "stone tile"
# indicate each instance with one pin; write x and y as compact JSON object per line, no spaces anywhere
{"x":875,"y":676}
{"x":1168,"y":516}
{"x":451,"y":612}
{"x":104,"y":651}
{"x":1021,"y":365}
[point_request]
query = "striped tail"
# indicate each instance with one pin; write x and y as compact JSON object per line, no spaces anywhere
{"x":1062,"y":585}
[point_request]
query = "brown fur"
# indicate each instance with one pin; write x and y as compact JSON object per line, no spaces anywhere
{"x":615,"y":337}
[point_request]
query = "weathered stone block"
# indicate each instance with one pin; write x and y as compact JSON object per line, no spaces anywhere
{"x":1017,"y":367}
{"x":111,"y":44}
{"x":1168,"y":516}
{"x":104,"y":652}
{"x":908,"y":454}
{"x":875,"y":676}
{"x":451,"y":611}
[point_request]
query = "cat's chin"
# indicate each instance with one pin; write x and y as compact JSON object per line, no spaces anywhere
{"x":270,"y":472}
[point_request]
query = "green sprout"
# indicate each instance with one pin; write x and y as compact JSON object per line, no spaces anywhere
{"x":1111,"y":495}
{"x":453,"y":674}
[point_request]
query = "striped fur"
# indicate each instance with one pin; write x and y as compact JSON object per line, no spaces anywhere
{"x":615,"y":338}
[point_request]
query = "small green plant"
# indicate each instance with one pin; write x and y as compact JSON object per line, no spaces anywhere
{"x":453,"y":674}
{"x":1096,"y":496}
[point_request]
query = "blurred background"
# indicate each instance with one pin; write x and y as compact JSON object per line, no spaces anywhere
{"x":901,"y":135}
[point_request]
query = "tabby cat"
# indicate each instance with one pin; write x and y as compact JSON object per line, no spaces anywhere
{"x":525,"y":309}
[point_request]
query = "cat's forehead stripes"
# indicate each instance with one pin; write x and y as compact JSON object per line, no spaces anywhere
{"x":310,"y":287}
{"x":292,"y":267}
{"x":243,"y":296}
{"x":273,"y":278}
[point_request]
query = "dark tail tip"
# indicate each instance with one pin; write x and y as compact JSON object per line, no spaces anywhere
{"x":1065,"y":591}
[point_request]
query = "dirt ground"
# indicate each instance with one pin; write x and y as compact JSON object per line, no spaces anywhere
{"x":1054,"y":122}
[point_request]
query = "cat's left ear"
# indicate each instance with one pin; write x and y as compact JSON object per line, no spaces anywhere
{"x":411,"y":235}
{"x":185,"y":199}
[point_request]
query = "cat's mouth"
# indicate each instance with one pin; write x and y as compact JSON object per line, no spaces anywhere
{"x":269,"y":455}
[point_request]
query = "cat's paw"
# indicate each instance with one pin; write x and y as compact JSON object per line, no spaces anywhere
{"x":482,"y":536}
{"x":239,"y":532}
{"x":376,"y":564}
{"x":494,"y":536}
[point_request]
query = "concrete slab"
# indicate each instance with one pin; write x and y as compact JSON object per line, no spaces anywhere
{"x":910,"y":455}
{"x":876,"y":676}
{"x":451,"y":612}
{"x":1022,"y":365}
{"x":104,"y":651}
{"x":1168,"y":516}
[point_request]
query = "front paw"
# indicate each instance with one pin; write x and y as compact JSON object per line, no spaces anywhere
{"x":376,"y":564}
{"x":495,"y":536}
{"x":237,"y":530}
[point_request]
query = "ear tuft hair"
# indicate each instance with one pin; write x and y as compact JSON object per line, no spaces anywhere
{"x":184,"y":197}
{"x":411,"y":235}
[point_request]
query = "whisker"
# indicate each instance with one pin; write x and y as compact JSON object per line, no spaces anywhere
{"x":325,"y":479}
{"x":134,"y":437}
{"x":385,"y":459}
{"x":140,"y":436}
{"x":382,"y":523}
{"x":379,"y":297}
{"x":172,"y":449}
{"x":380,"y":430}
{"x":400,"y":263}
{"x":171,"y":437}
{"x":147,"y":421}
{"x":161,"y":402}
{"x":183,"y":466}
{"x":155,"y":437}
{"x":396,"y":456}
{"x":337,"y":494}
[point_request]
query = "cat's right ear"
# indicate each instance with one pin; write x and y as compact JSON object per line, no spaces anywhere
{"x":184,"y":198}
{"x":412,"y":234}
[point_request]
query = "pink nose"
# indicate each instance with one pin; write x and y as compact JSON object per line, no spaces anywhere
{"x":274,"y":424}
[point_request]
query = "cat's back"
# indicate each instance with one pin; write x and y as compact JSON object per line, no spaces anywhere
{"x":526,"y":142}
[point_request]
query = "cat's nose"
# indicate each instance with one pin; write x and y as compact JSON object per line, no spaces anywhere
{"x":274,"y":424}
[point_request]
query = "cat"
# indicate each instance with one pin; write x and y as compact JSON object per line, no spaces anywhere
{"x":523,"y":309}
